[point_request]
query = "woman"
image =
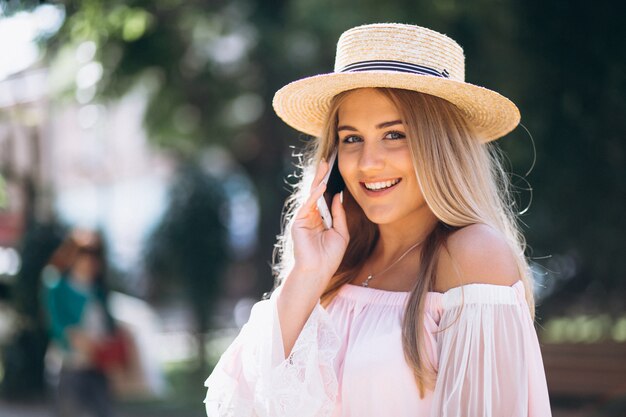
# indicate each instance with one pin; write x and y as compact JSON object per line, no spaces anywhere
{"x":85,"y":341}
{"x":418,"y":300}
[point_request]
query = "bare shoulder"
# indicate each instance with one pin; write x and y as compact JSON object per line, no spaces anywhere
{"x":477,"y":253}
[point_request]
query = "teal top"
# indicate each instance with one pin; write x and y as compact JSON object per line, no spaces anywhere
{"x":66,"y":302}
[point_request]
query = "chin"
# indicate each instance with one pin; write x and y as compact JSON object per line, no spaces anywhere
{"x":380,"y":216}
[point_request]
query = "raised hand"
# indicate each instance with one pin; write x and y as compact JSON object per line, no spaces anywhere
{"x":318,"y":251}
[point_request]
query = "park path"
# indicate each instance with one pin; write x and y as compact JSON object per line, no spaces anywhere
{"x":45,"y":410}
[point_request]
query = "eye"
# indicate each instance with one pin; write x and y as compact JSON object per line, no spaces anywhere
{"x":351,"y":139}
{"x":394,"y":135}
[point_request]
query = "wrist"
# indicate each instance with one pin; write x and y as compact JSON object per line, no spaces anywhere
{"x":309,"y":273}
{"x":295,"y":300}
{"x":304,"y":285}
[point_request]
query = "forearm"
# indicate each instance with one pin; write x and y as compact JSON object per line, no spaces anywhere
{"x":299,"y":296}
{"x":253,"y":378}
{"x":80,"y":341}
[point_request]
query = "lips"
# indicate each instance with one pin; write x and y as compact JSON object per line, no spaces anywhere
{"x":380,"y":186}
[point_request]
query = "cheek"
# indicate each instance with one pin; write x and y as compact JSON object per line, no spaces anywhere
{"x":344,"y":163}
{"x":347,"y":170}
{"x":415,"y":190}
{"x":402,"y":156}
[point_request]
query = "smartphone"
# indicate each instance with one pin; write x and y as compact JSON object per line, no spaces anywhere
{"x":334,"y":185}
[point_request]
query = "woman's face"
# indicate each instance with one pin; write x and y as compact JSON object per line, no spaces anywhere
{"x":374,"y":158}
{"x":87,"y":265}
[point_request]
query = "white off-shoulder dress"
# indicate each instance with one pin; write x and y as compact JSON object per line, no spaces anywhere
{"x":348,"y":359}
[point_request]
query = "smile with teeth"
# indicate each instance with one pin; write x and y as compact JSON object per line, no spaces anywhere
{"x":382,"y":185}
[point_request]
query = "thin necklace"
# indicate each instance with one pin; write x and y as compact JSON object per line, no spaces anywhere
{"x":366,"y":283}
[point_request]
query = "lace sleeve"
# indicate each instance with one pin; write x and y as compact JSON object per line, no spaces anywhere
{"x":253,"y":377}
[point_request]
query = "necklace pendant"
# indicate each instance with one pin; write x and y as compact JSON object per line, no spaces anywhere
{"x":366,"y":283}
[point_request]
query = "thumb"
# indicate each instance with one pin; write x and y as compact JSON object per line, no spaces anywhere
{"x":340,"y":223}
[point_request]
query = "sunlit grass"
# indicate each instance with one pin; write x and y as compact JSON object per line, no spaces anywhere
{"x":185,"y":381}
{"x":184,"y":395}
{"x":584,"y":328}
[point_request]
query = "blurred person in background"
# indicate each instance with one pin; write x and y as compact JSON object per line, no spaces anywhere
{"x":85,"y":342}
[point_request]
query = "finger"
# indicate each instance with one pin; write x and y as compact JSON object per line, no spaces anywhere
{"x":311,"y":203}
{"x":340,"y":223}
{"x":322,"y":169}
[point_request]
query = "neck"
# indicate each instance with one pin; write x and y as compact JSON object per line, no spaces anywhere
{"x":396,"y":238}
{"x":81,"y":277}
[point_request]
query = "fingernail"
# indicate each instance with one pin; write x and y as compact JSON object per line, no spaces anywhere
{"x":341,"y":197}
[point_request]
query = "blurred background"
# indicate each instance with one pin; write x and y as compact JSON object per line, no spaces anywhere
{"x":150,"y":122}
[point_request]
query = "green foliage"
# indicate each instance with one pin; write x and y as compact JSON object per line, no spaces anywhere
{"x":3,"y":193}
{"x":22,"y":358}
{"x":188,"y":249}
{"x":174,"y":51}
{"x":568,"y":86}
{"x":10,"y":7}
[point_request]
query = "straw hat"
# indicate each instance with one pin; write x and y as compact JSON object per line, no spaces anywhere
{"x":397,"y":56}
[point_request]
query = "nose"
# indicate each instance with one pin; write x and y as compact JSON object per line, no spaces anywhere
{"x":372,"y":157}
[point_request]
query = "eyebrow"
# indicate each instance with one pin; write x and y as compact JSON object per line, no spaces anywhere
{"x":378,"y":126}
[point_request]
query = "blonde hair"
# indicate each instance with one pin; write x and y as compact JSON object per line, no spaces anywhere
{"x":463,"y":182}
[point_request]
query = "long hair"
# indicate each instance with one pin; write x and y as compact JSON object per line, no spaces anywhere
{"x":463,"y":182}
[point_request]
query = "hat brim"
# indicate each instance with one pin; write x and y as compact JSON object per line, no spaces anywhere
{"x":303,"y":104}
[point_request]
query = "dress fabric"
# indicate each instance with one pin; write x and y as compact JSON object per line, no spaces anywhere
{"x":348,"y":360}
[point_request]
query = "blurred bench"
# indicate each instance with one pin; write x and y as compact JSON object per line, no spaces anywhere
{"x":585,"y":369}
